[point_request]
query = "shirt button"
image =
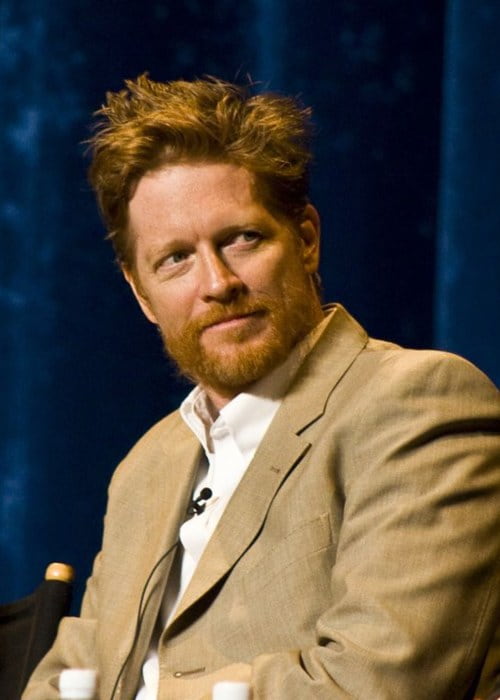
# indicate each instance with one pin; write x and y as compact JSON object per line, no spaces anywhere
{"x":220,"y":432}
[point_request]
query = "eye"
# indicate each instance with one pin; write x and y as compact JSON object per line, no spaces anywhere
{"x":177,"y":257}
{"x":172,"y":260}
{"x":251,"y":235}
{"x":245,"y":239}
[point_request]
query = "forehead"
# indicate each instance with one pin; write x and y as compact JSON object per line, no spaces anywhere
{"x":206,"y":185}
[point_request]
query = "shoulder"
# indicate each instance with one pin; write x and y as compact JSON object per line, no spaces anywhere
{"x":423,"y":392}
{"x":413,"y":374}
{"x":345,"y":356}
{"x":405,"y":422}
{"x":392,"y":400}
{"x":423,"y":408}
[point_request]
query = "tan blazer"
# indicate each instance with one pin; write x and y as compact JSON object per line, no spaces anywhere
{"x":358,"y":557}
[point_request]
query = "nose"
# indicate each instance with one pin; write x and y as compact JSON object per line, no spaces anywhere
{"x":218,"y":282}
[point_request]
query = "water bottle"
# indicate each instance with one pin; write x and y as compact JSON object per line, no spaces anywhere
{"x":77,"y":684}
{"x":231,"y":690}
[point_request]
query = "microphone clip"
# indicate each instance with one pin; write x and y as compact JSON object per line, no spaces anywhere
{"x":197,"y":505}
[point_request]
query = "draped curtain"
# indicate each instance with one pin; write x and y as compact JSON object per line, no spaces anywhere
{"x":467,"y":299}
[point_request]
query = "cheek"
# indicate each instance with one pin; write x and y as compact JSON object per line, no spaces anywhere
{"x":287,"y":273}
{"x":268,"y":273}
{"x":172,"y":310}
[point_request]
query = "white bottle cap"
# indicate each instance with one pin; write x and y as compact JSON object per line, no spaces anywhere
{"x":231,"y":690}
{"x":77,"y":684}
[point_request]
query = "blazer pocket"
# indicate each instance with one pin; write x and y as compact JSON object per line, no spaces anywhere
{"x":288,"y":556}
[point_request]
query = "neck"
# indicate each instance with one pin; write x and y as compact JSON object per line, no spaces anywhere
{"x":217,"y":400}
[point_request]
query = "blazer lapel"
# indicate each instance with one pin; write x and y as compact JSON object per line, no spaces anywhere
{"x":280,"y":451}
{"x":243,"y":516}
{"x":168,"y":500}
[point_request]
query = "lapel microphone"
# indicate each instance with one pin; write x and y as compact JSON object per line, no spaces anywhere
{"x":197,"y":505}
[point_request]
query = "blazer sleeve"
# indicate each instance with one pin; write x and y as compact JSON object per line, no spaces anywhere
{"x":415,"y":585}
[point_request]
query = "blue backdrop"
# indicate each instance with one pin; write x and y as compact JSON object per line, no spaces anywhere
{"x":406,"y":98}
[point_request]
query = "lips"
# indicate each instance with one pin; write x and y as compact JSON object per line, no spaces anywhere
{"x":228,"y":319}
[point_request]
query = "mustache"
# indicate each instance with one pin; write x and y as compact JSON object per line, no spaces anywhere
{"x":226,"y":312}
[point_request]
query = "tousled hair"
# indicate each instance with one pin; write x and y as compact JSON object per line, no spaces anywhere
{"x":150,"y":124}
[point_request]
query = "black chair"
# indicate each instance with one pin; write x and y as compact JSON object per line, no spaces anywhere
{"x":28,"y":628}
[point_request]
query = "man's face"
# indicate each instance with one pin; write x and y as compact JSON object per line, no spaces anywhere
{"x":228,"y":284}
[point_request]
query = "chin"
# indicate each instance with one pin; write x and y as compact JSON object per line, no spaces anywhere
{"x":235,"y":370}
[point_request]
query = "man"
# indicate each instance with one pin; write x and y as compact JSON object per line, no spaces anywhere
{"x":343,"y":536}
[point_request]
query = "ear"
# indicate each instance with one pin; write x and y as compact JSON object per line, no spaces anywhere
{"x":142,"y":299}
{"x":309,"y":232}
